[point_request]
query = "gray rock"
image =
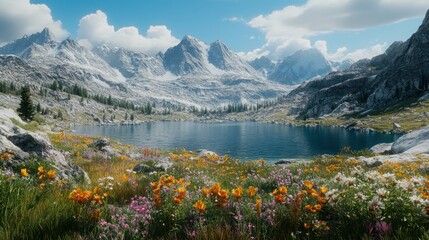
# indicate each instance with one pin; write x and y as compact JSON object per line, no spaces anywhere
{"x":100,"y":143}
{"x":424,"y":97}
{"x":31,"y":142}
{"x":203,"y":152}
{"x":415,"y":142}
{"x":283,"y":162}
{"x":381,"y":148}
{"x":396,"y":126}
{"x":146,"y":169}
{"x":109,"y":150}
{"x":163,"y":163}
{"x":349,"y":125}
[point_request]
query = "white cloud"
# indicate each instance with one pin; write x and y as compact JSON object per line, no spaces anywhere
{"x":316,"y":17}
{"x":235,"y":19}
{"x":295,"y":24}
{"x":20,"y":17}
{"x":366,"y":52}
{"x":343,"y":53}
{"x":95,"y":29}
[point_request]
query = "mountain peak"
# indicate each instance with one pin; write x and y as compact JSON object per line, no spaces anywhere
{"x":44,"y":37}
{"x":20,"y":46}
{"x":426,"y":19}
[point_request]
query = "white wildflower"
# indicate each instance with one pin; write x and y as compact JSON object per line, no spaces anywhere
{"x":349,"y":180}
{"x":417,"y":180}
{"x":382,"y":193}
{"x":417,"y":200}
{"x":360,"y":196}
{"x":371,"y":175}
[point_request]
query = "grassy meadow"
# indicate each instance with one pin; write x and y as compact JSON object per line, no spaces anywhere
{"x":212,"y":197}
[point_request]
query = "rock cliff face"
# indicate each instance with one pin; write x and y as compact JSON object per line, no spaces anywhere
{"x":401,"y":73}
{"x":408,"y":75}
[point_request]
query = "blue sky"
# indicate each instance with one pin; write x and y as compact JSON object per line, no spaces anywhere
{"x":339,"y":28}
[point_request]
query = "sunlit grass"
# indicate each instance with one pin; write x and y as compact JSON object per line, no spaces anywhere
{"x":214,"y":197}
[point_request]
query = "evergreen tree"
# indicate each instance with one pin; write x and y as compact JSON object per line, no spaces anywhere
{"x":132,"y":117}
{"x":26,"y":107}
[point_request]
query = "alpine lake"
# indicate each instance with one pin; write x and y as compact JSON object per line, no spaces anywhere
{"x":243,"y":140}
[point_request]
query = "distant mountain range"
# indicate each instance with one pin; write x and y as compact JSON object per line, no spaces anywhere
{"x":191,"y":73}
{"x":401,"y":74}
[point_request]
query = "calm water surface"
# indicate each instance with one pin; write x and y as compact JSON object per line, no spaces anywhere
{"x":245,"y":140}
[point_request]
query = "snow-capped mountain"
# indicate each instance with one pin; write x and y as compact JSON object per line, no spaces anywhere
{"x":192,"y":57}
{"x":342,"y":65}
{"x":223,"y":58}
{"x":189,"y":57}
{"x":300,"y":66}
{"x":34,"y":43}
{"x":191,"y":73}
{"x":132,"y":64}
{"x":264,"y":65}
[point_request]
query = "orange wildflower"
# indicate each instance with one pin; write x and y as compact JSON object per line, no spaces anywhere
{"x":323,"y":189}
{"x":97,"y":199}
{"x":51,"y":174}
{"x":308,"y":184}
{"x":223,"y":194}
{"x":318,"y":207}
{"x":177,"y":200}
{"x":215,"y":189}
{"x":280,"y":198}
{"x":251,"y":191}
{"x":40,"y":170}
{"x":24,"y":172}
{"x":321,"y":200}
{"x":205,"y":192}
{"x":181,"y":191}
{"x":283,"y":190}
{"x":201,"y":206}
{"x":258,"y":205}
{"x":237,"y":192}
{"x":306,"y":226}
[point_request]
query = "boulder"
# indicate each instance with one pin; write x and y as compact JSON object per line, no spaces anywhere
{"x":381,"y":148}
{"x":403,"y":157}
{"x":100,"y":143}
{"x":109,"y":150}
{"x":349,"y":125}
{"x":203,"y":152}
{"x":283,"y":162}
{"x":396,"y":126}
{"x":414,"y":142}
{"x":31,"y":142}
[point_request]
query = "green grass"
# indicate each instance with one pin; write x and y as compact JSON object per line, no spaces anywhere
{"x":29,"y":212}
{"x":31,"y":126}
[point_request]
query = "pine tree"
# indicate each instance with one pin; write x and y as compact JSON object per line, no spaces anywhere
{"x":26,"y":108}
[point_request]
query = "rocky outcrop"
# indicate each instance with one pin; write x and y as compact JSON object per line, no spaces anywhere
{"x":381,"y":148}
{"x":414,"y":142}
{"x":23,"y":145}
{"x":399,"y":74}
{"x":408,"y":75}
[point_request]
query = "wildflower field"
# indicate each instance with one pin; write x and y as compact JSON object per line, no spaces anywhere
{"x":212,"y":197}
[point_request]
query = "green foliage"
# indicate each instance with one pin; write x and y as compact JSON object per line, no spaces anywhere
{"x":6,"y":87}
{"x":26,"y":108}
{"x":28,"y":212}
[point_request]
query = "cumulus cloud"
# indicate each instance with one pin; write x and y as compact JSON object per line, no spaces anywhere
{"x":315,"y":17}
{"x":20,"y":17}
{"x":95,"y":29}
{"x":343,"y":53}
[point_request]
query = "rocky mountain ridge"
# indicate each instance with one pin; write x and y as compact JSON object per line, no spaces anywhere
{"x":190,"y":74}
{"x":400,"y":74}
